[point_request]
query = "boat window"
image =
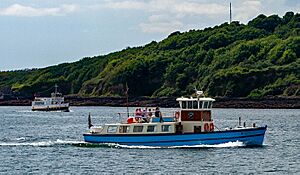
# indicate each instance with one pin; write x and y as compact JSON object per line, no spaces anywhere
{"x":165,"y":128}
{"x":151,"y":128}
{"x":195,"y":104}
{"x":137,"y":128}
{"x":184,"y":105}
{"x":124,"y":129}
{"x":112,"y":129}
{"x":205,"y":104}
{"x":200,"y":104}
{"x":39,"y":103}
{"x":190,"y":105}
{"x":209,"y":104}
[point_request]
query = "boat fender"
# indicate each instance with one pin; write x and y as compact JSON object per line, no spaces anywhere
{"x":177,"y":115}
{"x":206,"y":127}
{"x":211,"y":127}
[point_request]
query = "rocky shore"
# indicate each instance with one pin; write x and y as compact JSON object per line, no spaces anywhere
{"x":263,"y":103}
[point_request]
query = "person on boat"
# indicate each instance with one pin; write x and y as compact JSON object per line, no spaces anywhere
{"x":144,"y":116}
{"x":158,"y":114}
{"x":138,"y":112}
{"x":150,"y":113}
{"x":144,"y":112}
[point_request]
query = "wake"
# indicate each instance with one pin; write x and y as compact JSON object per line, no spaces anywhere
{"x":51,"y":143}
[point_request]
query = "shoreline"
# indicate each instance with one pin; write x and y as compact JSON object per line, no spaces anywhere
{"x":170,"y":102}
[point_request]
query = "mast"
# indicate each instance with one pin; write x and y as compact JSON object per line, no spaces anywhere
{"x":55,"y":88}
{"x":127,"y":99}
{"x":230,"y":14}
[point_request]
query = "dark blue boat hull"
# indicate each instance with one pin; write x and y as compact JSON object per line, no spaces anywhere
{"x":249,"y":137}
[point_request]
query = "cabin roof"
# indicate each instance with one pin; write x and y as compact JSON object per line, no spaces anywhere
{"x":194,"y":99}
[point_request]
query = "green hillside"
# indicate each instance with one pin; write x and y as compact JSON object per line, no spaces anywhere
{"x":230,"y":60}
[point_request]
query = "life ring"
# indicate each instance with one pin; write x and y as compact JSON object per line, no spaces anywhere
{"x":211,"y":127}
{"x":177,"y":115}
{"x":206,"y":127}
{"x":130,"y":120}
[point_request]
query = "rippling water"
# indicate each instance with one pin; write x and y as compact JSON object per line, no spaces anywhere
{"x":52,"y":143}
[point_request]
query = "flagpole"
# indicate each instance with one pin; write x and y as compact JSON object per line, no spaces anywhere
{"x":127,"y":100}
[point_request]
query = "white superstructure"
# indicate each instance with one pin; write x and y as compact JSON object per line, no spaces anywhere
{"x":53,"y":103}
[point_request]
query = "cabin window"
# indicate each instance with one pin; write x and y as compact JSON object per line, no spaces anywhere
{"x":137,"y":128}
{"x":124,"y":129}
{"x":165,"y":128}
{"x":39,"y":103}
{"x":190,"y":105}
{"x":112,"y":129}
{"x":151,"y":129}
{"x":205,"y":104}
{"x":184,"y":105}
{"x":209,"y":104}
{"x":200,"y":104}
{"x":197,"y":129}
{"x":195,"y":104}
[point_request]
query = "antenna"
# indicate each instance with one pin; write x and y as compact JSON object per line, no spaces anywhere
{"x":127,"y":99}
{"x":198,"y":93}
{"x":230,"y":14}
{"x":55,"y":88}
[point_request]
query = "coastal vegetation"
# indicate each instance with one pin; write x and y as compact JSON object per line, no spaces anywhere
{"x":251,"y":60}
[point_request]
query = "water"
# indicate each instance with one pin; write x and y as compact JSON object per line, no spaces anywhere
{"x":52,"y":143}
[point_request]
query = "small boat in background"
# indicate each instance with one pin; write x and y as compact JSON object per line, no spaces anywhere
{"x":53,"y":103}
{"x":192,"y":125}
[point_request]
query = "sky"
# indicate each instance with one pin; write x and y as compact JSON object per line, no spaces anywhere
{"x":40,"y":33}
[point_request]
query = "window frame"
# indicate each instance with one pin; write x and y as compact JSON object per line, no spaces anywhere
{"x":184,"y":105}
{"x":134,"y":130}
{"x":111,"y":130}
{"x":154,"y":128}
{"x":122,"y":130}
{"x":164,"y":126}
{"x":205,"y":104}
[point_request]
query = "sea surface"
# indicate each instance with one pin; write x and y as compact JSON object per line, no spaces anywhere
{"x":52,"y":143}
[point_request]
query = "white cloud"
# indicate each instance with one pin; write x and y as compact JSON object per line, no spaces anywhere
{"x":247,"y":10}
{"x":125,"y":5}
{"x":161,"y":27}
{"x":199,"y":8}
{"x":169,"y":6}
{"x":168,"y":15}
{"x":28,"y":11}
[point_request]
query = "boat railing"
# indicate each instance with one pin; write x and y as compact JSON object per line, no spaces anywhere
{"x":147,"y":117}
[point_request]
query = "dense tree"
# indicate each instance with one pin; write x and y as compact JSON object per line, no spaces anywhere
{"x":233,"y":60}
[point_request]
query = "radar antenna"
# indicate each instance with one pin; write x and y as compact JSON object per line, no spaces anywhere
{"x":198,"y":93}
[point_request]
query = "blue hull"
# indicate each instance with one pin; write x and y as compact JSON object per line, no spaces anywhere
{"x":249,"y":137}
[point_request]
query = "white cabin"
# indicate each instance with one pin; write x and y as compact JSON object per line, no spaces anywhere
{"x":55,"y":102}
{"x":194,"y":116}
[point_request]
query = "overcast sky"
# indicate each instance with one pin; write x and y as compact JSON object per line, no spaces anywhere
{"x":36,"y":33}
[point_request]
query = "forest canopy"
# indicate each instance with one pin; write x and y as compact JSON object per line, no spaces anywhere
{"x":254,"y":60}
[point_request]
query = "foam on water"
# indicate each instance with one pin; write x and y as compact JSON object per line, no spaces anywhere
{"x":223,"y":145}
{"x":41,"y":143}
{"x":19,"y":138}
{"x":111,"y":145}
{"x":26,"y":111}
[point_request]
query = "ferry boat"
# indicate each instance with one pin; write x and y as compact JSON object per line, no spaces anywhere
{"x":53,"y":103}
{"x":192,"y":125}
